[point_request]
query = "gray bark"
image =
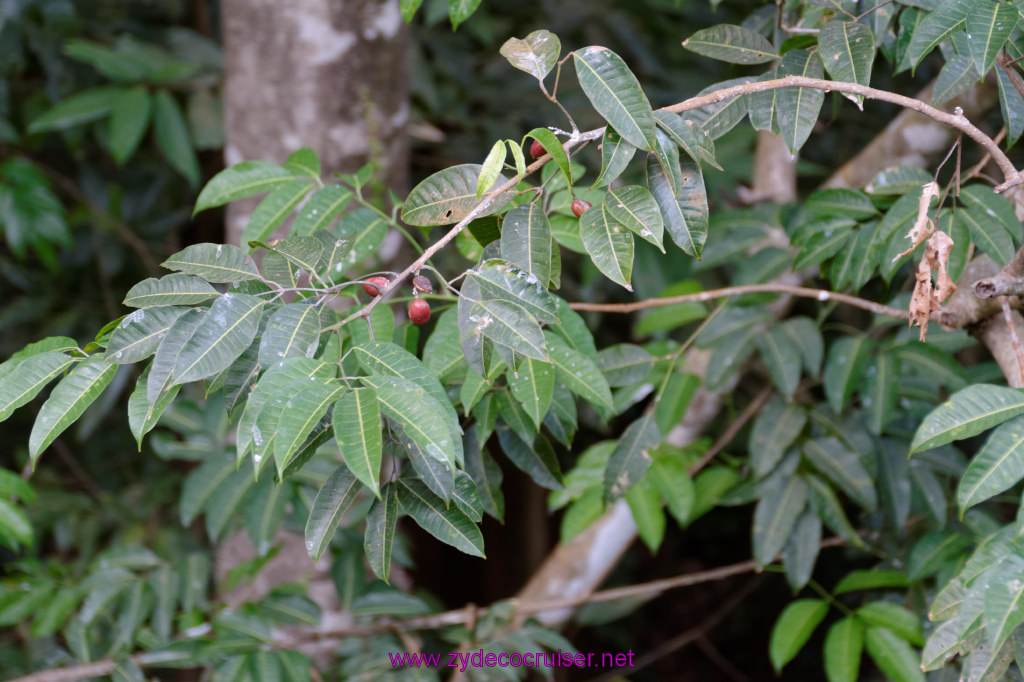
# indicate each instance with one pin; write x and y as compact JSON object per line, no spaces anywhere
{"x":326,"y":74}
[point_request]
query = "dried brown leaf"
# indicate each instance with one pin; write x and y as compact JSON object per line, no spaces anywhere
{"x":923,"y":226}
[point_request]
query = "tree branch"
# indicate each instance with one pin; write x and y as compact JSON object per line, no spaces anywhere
{"x":466,"y":614}
{"x":1011,"y":176}
{"x":769,"y":287}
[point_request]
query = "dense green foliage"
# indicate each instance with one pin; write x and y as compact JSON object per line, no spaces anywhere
{"x":236,"y":355}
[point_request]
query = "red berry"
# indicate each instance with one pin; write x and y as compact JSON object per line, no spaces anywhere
{"x":579,"y":207}
{"x":419,"y":311}
{"x":537,"y":149}
{"x":374,"y":285}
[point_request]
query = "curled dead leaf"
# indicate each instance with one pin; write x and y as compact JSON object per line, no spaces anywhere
{"x":923,"y":226}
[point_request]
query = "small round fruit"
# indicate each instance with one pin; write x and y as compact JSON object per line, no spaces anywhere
{"x":579,"y":207}
{"x":419,"y":311}
{"x":537,"y":149}
{"x":374,"y":285}
{"x":422,"y":284}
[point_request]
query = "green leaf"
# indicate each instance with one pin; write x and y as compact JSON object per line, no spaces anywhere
{"x":460,"y":10}
{"x":274,"y":209}
{"x":176,"y":289}
{"x":624,"y":364}
{"x":536,"y":54}
{"x":893,"y":656}
{"x":219,"y":338}
{"x":511,"y":326}
{"x":823,"y":245}
{"x":729,"y":43}
{"x":139,"y":334}
{"x":129,"y":118}
{"x":409,"y":8}
{"x":947,"y":18}
{"x":762,"y":105}
{"x":717,"y":119}
{"x":320,"y":211}
{"x":161,"y":368}
{"x":683,"y":134}
{"x":49,"y":344}
{"x":68,"y":401}
{"x":933,"y":550}
{"x":448,"y":196}
{"x":645,"y":505}
{"x":828,"y":507}
{"x":436,"y":475}
{"x":880,"y":390}
{"x":552,"y":146}
{"x":616,"y":94}
{"x":870,"y":580}
{"x":609,"y":244}
{"x":214,"y":263}
{"x":985,"y":200}
{"x":631,"y":457}
{"x":998,"y":466}
{"x":796,"y":109}
{"x":775,"y":428}
{"x":334,"y":498}
{"x":899,"y":620}
{"x":957,"y":76}
{"x":535,"y":457}
{"x":844,"y":644}
{"x":1003,"y":600}
{"x":532,"y":386}
{"x":491,"y":168}
{"x":292,"y":331}
{"x":82,"y":107}
{"x":357,"y":428}
{"x":222,"y":506}
{"x":28,"y":378}
{"x":578,"y":372}
{"x":685,"y":214}
{"x":781,"y":503}
{"x":794,"y":627}
{"x":676,"y":488}
{"x":1011,"y":105}
{"x":301,"y":415}
{"x":526,"y":240}
{"x":801,"y":550}
{"x":843,"y":467}
{"x":967,"y":413}
{"x":142,"y":416}
{"x":848,"y":51}
{"x":418,"y":416}
{"x":487,"y":475}
{"x":782,"y":358}
{"x":449,"y":525}
{"x":616,"y":154}
{"x":275,"y":378}
{"x":173,"y":138}
{"x":380,"y":531}
{"x":989,"y":25}
{"x":843,"y":369}
{"x":239,"y":181}
{"x":499,"y":279}
{"x":988,"y":234}
{"x":634,"y":207}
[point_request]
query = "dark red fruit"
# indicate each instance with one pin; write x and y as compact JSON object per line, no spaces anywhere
{"x":537,"y":149}
{"x":374,"y":285}
{"x":579,"y":207}
{"x":419,"y":311}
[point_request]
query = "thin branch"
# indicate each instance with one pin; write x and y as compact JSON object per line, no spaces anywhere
{"x":770,"y":287}
{"x":734,"y":427}
{"x":975,"y":170}
{"x":1011,"y":176}
{"x":1014,"y":341}
{"x":461,"y":616}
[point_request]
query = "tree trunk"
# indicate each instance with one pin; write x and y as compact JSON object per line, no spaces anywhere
{"x":326,"y":74}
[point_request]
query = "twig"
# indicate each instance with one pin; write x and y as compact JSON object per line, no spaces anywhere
{"x":770,"y":287}
{"x":734,"y":427}
{"x":1011,"y":176}
{"x":975,"y":170}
